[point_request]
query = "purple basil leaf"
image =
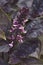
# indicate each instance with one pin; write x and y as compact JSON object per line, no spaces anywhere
{"x":4,"y":45}
{"x":3,"y":2}
{"x":34,"y":28}
{"x":37,"y":8}
{"x":26,"y":48}
{"x":14,"y":59}
{"x":7,"y":8}
{"x":31,"y":61}
{"x":2,"y":62}
{"x":4,"y":21}
{"x":24,"y":3}
{"x":13,"y":2}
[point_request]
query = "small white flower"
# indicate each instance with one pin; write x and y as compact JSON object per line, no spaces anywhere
{"x":11,"y":44}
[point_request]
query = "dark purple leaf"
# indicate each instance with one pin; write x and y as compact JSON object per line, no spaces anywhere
{"x":4,"y":45}
{"x":13,"y":59}
{"x":2,"y":62}
{"x":37,"y":8}
{"x":34,"y":28}
{"x":4,"y":21}
{"x":26,"y":48}
{"x":3,"y":2}
{"x":31,"y":61}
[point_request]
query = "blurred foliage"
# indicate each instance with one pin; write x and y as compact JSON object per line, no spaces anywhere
{"x":9,"y":11}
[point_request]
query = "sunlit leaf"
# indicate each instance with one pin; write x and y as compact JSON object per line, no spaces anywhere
{"x":2,"y":35}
